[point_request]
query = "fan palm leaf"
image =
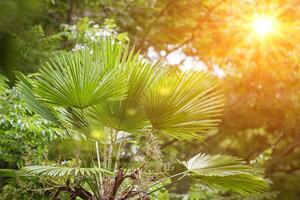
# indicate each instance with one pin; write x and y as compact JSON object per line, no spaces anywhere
{"x":62,"y":171}
{"x":184,"y":105}
{"x":82,"y":78}
{"x":128,"y":114}
{"x":217,"y":165}
{"x":243,"y":184}
{"x":227,"y":172}
{"x":25,"y":87}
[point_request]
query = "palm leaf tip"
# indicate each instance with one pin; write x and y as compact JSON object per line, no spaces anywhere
{"x":60,"y":171}
{"x":216,"y":165}
{"x":227,"y":172}
{"x":25,"y":86}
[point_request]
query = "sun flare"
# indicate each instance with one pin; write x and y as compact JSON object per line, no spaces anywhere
{"x":264,"y":26}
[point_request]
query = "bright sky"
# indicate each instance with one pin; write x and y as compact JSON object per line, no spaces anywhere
{"x":188,"y":62}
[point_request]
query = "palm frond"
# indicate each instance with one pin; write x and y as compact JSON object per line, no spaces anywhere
{"x":185,"y":105}
{"x":217,"y":165}
{"x":8,"y":173}
{"x":227,"y":172}
{"x":129,"y":114}
{"x":25,"y":87}
{"x":82,"y":78}
{"x":63,"y":171}
{"x":75,"y":120}
{"x":244,"y":184}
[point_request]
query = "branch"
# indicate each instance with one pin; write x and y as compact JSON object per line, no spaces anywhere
{"x":273,"y":145}
{"x":168,"y":143}
{"x":128,"y":194}
{"x":77,"y":192}
{"x":201,"y":21}
{"x":168,"y":186}
{"x":70,"y":11}
{"x":149,"y":28}
{"x":119,"y":178}
{"x":60,"y":189}
{"x":291,"y":148}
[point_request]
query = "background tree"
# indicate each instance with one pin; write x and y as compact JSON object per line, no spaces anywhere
{"x":262,"y":78}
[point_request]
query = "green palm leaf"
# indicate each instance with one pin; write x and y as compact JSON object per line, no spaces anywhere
{"x":129,"y":114}
{"x":82,"y":78}
{"x":115,"y":87}
{"x":243,"y":184}
{"x":185,"y":105}
{"x":63,"y":171}
{"x":217,"y":165}
{"x":227,"y":172}
{"x":75,"y":120}
{"x":25,"y":88}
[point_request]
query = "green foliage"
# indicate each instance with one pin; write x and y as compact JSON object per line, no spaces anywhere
{"x":242,"y":183}
{"x":86,"y":32}
{"x":227,"y":172}
{"x":129,"y":114}
{"x":287,"y":183}
{"x":216,"y":165}
{"x":110,"y":87}
{"x":82,"y":78}
{"x":185,"y":105}
{"x":34,"y":47}
{"x":25,"y":89}
{"x":60,"y":171}
{"x":200,"y":192}
{"x":25,"y":136}
{"x":15,"y":14}
{"x":261,"y":102}
{"x":3,"y":84}
{"x":120,"y":90}
{"x":28,"y":49}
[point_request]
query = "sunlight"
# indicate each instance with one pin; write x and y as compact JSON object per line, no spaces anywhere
{"x":264,"y":25}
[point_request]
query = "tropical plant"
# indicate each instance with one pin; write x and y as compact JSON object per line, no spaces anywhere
{"x":124,"y":103}
{"x":25,"y":137}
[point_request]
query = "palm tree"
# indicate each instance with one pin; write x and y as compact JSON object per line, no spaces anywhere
{"x":114,"y":97}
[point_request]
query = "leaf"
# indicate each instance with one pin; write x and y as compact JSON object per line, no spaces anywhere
{"x":25,"y":89}
{"x":82,"y":78}
{"x":9,"y":173}
{"x":128,"y":114}
{"x":242,"y":183}
{"x":75,"y":120}
{"x":3,"y":83}
{"x":185,"y":105}
{"x":62,"y":171}
{"x":216,"y":165}
{"x":225,"y":171}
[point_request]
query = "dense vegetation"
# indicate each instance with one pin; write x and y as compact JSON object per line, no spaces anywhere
{"x":98,"y":101}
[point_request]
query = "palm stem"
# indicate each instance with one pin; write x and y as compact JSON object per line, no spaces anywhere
{"x":170,"y":184}
{"x":99,"y":166}
{"x":164,"y":179}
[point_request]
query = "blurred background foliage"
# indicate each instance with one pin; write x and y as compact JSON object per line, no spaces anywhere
{"x":261,"y":79}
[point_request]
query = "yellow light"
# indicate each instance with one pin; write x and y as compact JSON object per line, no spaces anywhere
{"x":131,"y":112}
{"x":264,"y":25}
{"x":164,"y":91}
